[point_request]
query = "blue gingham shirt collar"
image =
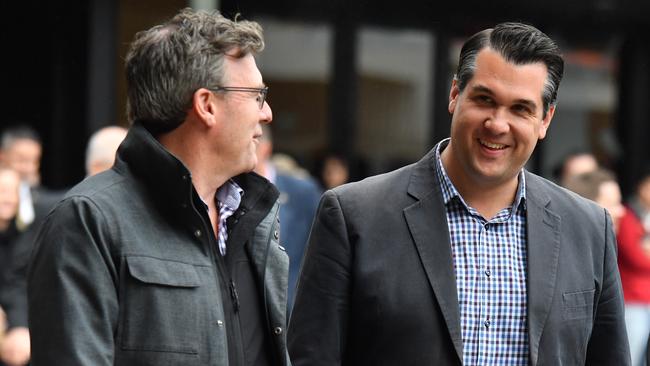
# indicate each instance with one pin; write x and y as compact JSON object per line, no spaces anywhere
{"x":228,"y":198}
{"x":230,"y":194}
{"x":449,"y":191}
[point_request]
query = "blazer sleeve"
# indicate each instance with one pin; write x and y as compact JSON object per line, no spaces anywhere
{"x":318,"y":325}
{"x":73,"y":305}
{"x":608,"y":344}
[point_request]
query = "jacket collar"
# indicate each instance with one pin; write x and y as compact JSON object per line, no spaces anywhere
{"x":427,"y":223}
{"x":166,"y":177}
{"x":151,"y":163}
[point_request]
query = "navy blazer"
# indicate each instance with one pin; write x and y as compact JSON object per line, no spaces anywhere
{"x":377,"y":285}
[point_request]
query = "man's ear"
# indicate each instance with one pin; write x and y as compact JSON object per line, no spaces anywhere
{"x":205,"y":106}
{"x":546,"y":122}
{"x":454,"y":92}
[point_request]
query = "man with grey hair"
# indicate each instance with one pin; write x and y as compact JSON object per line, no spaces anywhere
{"x":172,"y":256}
{"x":102,"y":145}
{"x":465,"y":257}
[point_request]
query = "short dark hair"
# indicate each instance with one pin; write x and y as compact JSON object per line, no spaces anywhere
{"x":517,"y":43}
{"x":19,"y":131}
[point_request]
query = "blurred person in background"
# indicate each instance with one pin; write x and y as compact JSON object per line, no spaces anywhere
{"x":21,"y":150}
{"x":101,"y":149}
{"x":299,"y":197}
{"x":600,"y":186}
{"x":634,"y":264}
{"x":465,"y":257}
{"x":575,"y":163}
{"x":15,"y":347}
{"x":172,"y":256}
{"x":334,"y":171}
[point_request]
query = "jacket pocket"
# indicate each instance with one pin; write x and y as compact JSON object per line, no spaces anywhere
{"x":578,"y":304}
{"x":158,"y":306}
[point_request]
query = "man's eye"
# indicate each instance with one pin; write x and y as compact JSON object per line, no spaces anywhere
{"x":484,"y":99}
{"x":521,"y":109}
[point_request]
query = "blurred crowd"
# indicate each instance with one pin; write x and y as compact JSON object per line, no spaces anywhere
{"x":581,"y":173}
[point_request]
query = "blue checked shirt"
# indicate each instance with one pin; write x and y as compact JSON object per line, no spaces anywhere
{"x":490,"y":266}
{"x":228,"y":201}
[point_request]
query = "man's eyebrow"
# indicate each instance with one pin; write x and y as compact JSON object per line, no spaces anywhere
{"x":486,"y":90}
{"x":482,"y":89}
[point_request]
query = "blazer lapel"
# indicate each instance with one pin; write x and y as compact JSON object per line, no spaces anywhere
{"x":427,"y":223}
{"x":543,"y":256}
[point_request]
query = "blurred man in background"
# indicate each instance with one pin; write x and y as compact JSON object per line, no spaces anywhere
{"x":573,"y":164}
{"x":102,"y":146}
{"x":21,"y":150}
{"x":600,"y":186}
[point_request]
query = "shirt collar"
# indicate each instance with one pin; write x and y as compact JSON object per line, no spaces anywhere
{"x":449,"y":191}
{"x":230,"y":195}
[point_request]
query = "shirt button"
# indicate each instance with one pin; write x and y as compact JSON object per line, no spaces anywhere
{"x":220,"y":323}
{"x":487,"y":323}
{"x":277,"y":330}
{"x":197,"y":233}
{"x":488,"y":273}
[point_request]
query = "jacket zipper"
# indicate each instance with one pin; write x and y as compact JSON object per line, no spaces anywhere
{"x":224,"y":280}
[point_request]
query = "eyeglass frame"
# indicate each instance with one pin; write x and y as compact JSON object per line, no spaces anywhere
{"x":263,"y":92}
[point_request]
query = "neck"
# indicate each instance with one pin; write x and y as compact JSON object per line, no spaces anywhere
{"x":490,"y":200}
{"x":487,"y":197}
{"x":207,"y":174}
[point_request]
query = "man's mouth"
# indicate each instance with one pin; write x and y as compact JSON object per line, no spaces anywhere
{"x":493,"y":146}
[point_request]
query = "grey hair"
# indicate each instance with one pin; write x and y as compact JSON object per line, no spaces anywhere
{"x":103,"y":144}
{"x":517,"y":43}
{"x":169,"y":62}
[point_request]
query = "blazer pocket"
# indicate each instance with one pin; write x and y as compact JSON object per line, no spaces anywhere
{"x":578,"y":304}
{"x":158,"y":306}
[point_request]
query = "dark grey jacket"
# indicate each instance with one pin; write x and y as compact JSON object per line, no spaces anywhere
{"x":125,"y":271}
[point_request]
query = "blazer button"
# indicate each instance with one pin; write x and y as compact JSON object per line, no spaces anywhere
{"x":277,"y":330}
{"x":197,"y":233}
{"x":220,"y":323}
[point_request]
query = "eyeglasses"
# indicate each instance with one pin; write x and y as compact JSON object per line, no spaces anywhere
{"x":261,"y":92}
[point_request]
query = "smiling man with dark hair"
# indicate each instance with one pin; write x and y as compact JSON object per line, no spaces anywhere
{"x":466,"y":258}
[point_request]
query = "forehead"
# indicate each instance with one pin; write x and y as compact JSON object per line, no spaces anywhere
{"x":25,"y":145}
{"x":524,"y":81}
{"x":242,"y":70}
